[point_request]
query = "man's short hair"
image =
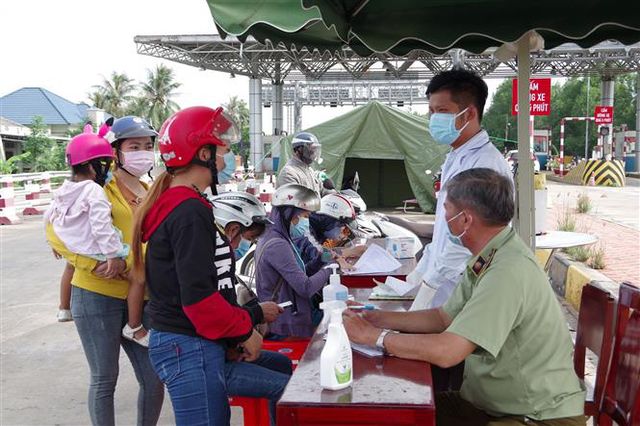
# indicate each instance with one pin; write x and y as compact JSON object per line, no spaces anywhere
{"x":485,"y":192}
{"x":465,"y":87}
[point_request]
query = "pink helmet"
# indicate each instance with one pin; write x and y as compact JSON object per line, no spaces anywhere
{"x":87,"y":146}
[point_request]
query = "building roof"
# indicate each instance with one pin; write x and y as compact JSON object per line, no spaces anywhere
{"x":24,"y":104}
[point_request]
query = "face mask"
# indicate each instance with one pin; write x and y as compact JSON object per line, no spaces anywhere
{"x":442,"y":127}
{"x":300,"y":229}
{"x":102,"y":171}
{"x":455,"y":239}
{"x":243,"y":248}
{"x":108,"y":178}
{"x":137,"y":163}
{"x":226,"y":174}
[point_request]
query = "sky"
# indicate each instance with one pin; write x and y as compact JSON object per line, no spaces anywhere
{"x":67,"y":46}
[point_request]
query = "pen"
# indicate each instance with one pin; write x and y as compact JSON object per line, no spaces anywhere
{"x":363,"y":307}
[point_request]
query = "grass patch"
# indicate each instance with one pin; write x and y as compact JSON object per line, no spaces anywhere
{"x":583,"y":203}
{"x":566,"y":221}
{"x":597,"y":258}
{"x":579,"y":254}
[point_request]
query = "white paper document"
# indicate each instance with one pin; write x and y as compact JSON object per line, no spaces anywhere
{"x":376,"y":260}
{"x":395,"y":287}
{"x":367,"y":351}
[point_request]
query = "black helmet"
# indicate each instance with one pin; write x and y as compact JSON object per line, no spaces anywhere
{"x":128,"y":127}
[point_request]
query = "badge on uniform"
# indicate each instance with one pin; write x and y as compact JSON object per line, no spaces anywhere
{"x":482,"y":263}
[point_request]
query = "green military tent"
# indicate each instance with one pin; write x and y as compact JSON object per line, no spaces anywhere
{"x":390,"y":149}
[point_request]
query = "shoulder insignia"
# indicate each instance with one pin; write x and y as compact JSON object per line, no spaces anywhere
{"x":483,"y":263}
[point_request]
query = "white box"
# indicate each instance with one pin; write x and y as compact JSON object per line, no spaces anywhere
{"x":400,"y":247}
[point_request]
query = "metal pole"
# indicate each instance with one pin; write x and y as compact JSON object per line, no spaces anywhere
{"x":277,"y":108}
{"x":297,"y":110}
{"x":561,"y":146}
{"x":586,"y":123}
{"x":255,"y":122}
{"x":526,"y":207}
{"x":637,"y":150}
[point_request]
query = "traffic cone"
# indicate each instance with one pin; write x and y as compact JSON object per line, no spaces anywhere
{"x":592,"y":179}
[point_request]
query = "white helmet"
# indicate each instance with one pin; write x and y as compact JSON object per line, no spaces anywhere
{"x":239,"y":207}
{"x":295,"y":195}
{"x":310,"y":147}
{"x":337,"y":207}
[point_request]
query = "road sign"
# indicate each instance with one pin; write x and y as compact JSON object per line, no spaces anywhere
{"x":603,"y":114}
{"x":539,"y":96}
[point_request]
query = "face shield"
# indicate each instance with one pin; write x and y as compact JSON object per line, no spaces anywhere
{"x":225,"y":129}
{"x":312,"y":152}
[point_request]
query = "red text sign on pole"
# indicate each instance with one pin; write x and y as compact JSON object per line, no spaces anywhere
{"x":603,"y":114}
{"x":539,"y":96}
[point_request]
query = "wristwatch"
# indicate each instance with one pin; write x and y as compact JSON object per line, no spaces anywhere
{"x":380,"y":341}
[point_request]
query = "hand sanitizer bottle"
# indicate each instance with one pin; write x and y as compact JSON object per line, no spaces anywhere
{"x":335,"y":290}
{"x":336,"y":362}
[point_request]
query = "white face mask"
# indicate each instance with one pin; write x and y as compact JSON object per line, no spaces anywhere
{"x":137,"y":162}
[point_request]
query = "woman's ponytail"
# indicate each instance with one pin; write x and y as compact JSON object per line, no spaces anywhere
{"x":159,"y":186}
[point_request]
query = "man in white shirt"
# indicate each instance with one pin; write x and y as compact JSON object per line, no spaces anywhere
{"x":306,"y":151}
{"x":456,"y":103}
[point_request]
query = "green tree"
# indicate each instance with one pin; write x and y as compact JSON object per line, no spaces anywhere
{"x":39,"y":147}
{"x":238,"y":110}
{"x":114,"y":94}
{"x":13,"y":164}
{"x":155,"y":100}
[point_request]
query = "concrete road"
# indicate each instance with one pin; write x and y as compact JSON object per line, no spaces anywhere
{"x":43,"y":372}
{"x":618,"y":205}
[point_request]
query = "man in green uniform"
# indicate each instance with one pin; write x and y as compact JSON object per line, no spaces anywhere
{"x":503,"y":319}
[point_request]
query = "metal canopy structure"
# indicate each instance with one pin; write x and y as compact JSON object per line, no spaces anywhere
{"x":278,"y":63}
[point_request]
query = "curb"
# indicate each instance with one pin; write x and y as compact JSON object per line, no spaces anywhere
{"x":568,"y":277}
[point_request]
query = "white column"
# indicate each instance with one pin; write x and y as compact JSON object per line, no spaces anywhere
{"x":524,"y":184}
{"x":297,"y":110}
{"x":608,"y":84}
{"x":255,"y":123}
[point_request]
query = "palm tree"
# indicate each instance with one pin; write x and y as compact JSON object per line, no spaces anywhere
{"x":238,"y":110}
{"x":115,"y":94}
{"x":155,"y":101}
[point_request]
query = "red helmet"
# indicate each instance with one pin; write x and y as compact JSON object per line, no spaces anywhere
{"x":186,"y":131}
{"x":87,"y":146}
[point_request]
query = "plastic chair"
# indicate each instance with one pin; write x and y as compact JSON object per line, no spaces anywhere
{"x":256,"y":410}
{"x":621,"y":402}
{"x":595,"y":332}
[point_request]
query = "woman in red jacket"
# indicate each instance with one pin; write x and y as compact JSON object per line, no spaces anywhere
{"x":202,"y":345}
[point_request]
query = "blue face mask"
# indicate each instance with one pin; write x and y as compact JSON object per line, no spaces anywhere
{"x":243,"y":248}
{"x":442,"y":127}
{"x":226,"y":174}
{"x":455,"y":239}
{"x":300,"y":229}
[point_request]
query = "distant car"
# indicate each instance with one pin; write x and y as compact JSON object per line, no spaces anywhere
{"x":512,"y":159}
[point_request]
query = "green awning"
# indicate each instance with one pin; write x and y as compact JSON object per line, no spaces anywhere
{"x":436,"y":26}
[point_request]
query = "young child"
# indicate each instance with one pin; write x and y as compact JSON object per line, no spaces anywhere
{"x":81,"y":218}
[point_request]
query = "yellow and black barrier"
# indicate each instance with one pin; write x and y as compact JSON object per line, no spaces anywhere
{"x":605,"y":173}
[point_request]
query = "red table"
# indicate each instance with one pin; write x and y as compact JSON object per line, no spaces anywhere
{"x":366,"y":281}
{"x":385,"y":390}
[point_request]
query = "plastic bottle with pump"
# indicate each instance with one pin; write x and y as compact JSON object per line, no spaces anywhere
{"x":335,"y":290}
{"x":336,"y":361}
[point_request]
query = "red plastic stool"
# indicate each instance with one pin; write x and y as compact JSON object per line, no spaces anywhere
{"x":256,"y":410}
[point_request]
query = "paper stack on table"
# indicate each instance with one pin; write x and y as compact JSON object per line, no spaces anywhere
{"x":376,"y":260}
{"x":394,"y":288}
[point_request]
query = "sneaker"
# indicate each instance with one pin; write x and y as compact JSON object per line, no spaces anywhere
{"x":130,"y":334}
{"x":64,"y":315}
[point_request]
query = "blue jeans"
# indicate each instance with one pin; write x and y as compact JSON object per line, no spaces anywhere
{"x":200,"y":379}
{"x":99,"y":320}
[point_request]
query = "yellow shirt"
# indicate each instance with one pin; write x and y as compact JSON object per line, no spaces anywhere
{"x":122,"y":216}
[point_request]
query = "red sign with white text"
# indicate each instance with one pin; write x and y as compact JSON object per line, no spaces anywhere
{"x":603,"y":114}
{"x":539,"y":96}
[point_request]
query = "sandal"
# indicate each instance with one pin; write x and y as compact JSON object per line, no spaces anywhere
{"x":130,"y":334}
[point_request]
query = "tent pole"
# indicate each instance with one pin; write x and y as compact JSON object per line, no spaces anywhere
{"x":524,"y":178}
